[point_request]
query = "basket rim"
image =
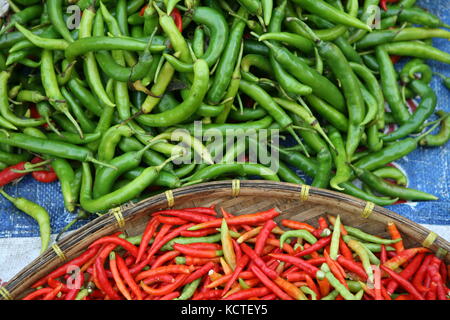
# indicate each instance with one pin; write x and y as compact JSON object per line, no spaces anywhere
{"x":163,"y":200}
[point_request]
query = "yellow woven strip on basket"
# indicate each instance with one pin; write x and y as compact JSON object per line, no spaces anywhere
{"x":170,"y":198}
{"x":304,"y":193}
{"x":368,"y":209}
{"x":117,"y":213}
{"x":429,"y":240}
{"x":59,"y":252}
{"x":5,"y":293}
{"x":235,"y":187}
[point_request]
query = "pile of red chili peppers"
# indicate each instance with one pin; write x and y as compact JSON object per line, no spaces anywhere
{"x":192,"y":254}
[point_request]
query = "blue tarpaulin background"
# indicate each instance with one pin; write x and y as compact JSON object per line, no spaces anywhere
{"x":427,"y":169}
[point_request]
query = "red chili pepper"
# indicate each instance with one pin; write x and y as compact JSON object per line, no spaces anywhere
{"x":100,"y":273}
{"x":169,"y":255}
{"x":36,"y":294}
{"x":403,"y":283}
{"x":403,"y":257}
{"x":263,"y":235}
{"x":176,"y":15}
{"x":269,"y":283}
{"x":131,"y":248}
{"x":174,"y":221}
{"x":248,"y":293}
{"x":321,"y":243}
{"x":258,"y":261}
{"x":200,"y":272}
{"x":163,"y":278}
{"x":383,"y":254}
{"x":352,"y":266}
{"x":335,"y":269}
{"x":142,"y":12}
{"x":250,"y":219}
{"x":199,"y":253}
{"x":52,"y":294}
{"x":72,"y":294}
{"x":208,"y":295}
{"x":420,"y":274}
{"x":242,"y":263}
{"x":345,"y":250}
{"x":198,"y":233}
{"x":170,"y":296}
{"x":45,"y":176}
{"x":149,"y":232}
{"x":53,"y":283}
{"x":165,"y":270}
{"x":395,"y":59}
{"x":195,"y":261}
{"x":204,"y":246}
{"x":126,"y":275}
{"x":167,"y":289}
{"x":383,"y":3}
{"x":298,"y":262}
{"x":186,"y":215}
{"x":162,"y":241}
{"x":76,"y":262}
{"x":210,"y":211}
{"x":407,"y":273}
{"x":297,"y":225}
{"x":395,"y":235}
{"x":8,"y":175}
{"x":117,"y":278}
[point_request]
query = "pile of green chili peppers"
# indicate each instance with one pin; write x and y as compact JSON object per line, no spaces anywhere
{"x":114,"y":81}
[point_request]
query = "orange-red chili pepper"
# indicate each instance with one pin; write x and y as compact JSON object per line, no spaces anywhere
{"x":174,"y":221}
{"x":290,"y":289}
{"x":269,"y":283}
{"x":352,"y":267}
{"x":185,"y":215}
{"x":199,"y":272}
{"x":403,"y":283}
{"x":320,"y":244}
{"x":395,"y":235}
{"x":250,"y":219}
{"x":117,"y":278}
{"x":198,"y":233}
{"x":131,"y":248}
{"x":164,"y":270}
{"x":199,"y":253}
{"x":297,"y":225}
{"x":403,"y":257}
{"x":258,"y":261}
{"x":76,"y":262}
{"x":263,"y":236}
{"x":249,"y":293}
{"x":100,"y":272}
{"x":38,"y":293}
{"x":298,"y":262}
{"x":123,"y":269}
{"x":165,"y":290}
{"x":169,"y":255}
{"x":407,"y":273}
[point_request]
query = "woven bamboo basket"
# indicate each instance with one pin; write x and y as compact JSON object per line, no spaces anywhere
{"x":239,"y":197}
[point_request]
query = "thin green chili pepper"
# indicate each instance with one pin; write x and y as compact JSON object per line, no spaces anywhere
{"x":325,"y":10}
{"x":286,"y":174}
{"x":385,"y":188}
{"x":321,"y":86}
{"x":323,"y":174}
{"x":52,"y":90}
{"x":303,"y":234}
{"x":55,"y":12}
{"x":380,"y":37}
{"x":423,"y":112}
{"x":416,"y":49}
{"x":189,"y":289}
{"x":228,"y":60}
{"x":389,"y":86}
{"x":343,"y":171}
{"x":115,"y":198}
{"x":24,"y":16}
{"x":74,"y":138}
{"x":66,"y":177}
{"x":37,"y":212}
{"x":9,"y":119}
{"x":188,"y":106}
{"x":443,"y":136}
{"x":343,"y":291}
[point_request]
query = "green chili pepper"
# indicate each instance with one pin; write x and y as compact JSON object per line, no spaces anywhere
{"x":388,"y":189}
{"x":37,"y":212}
